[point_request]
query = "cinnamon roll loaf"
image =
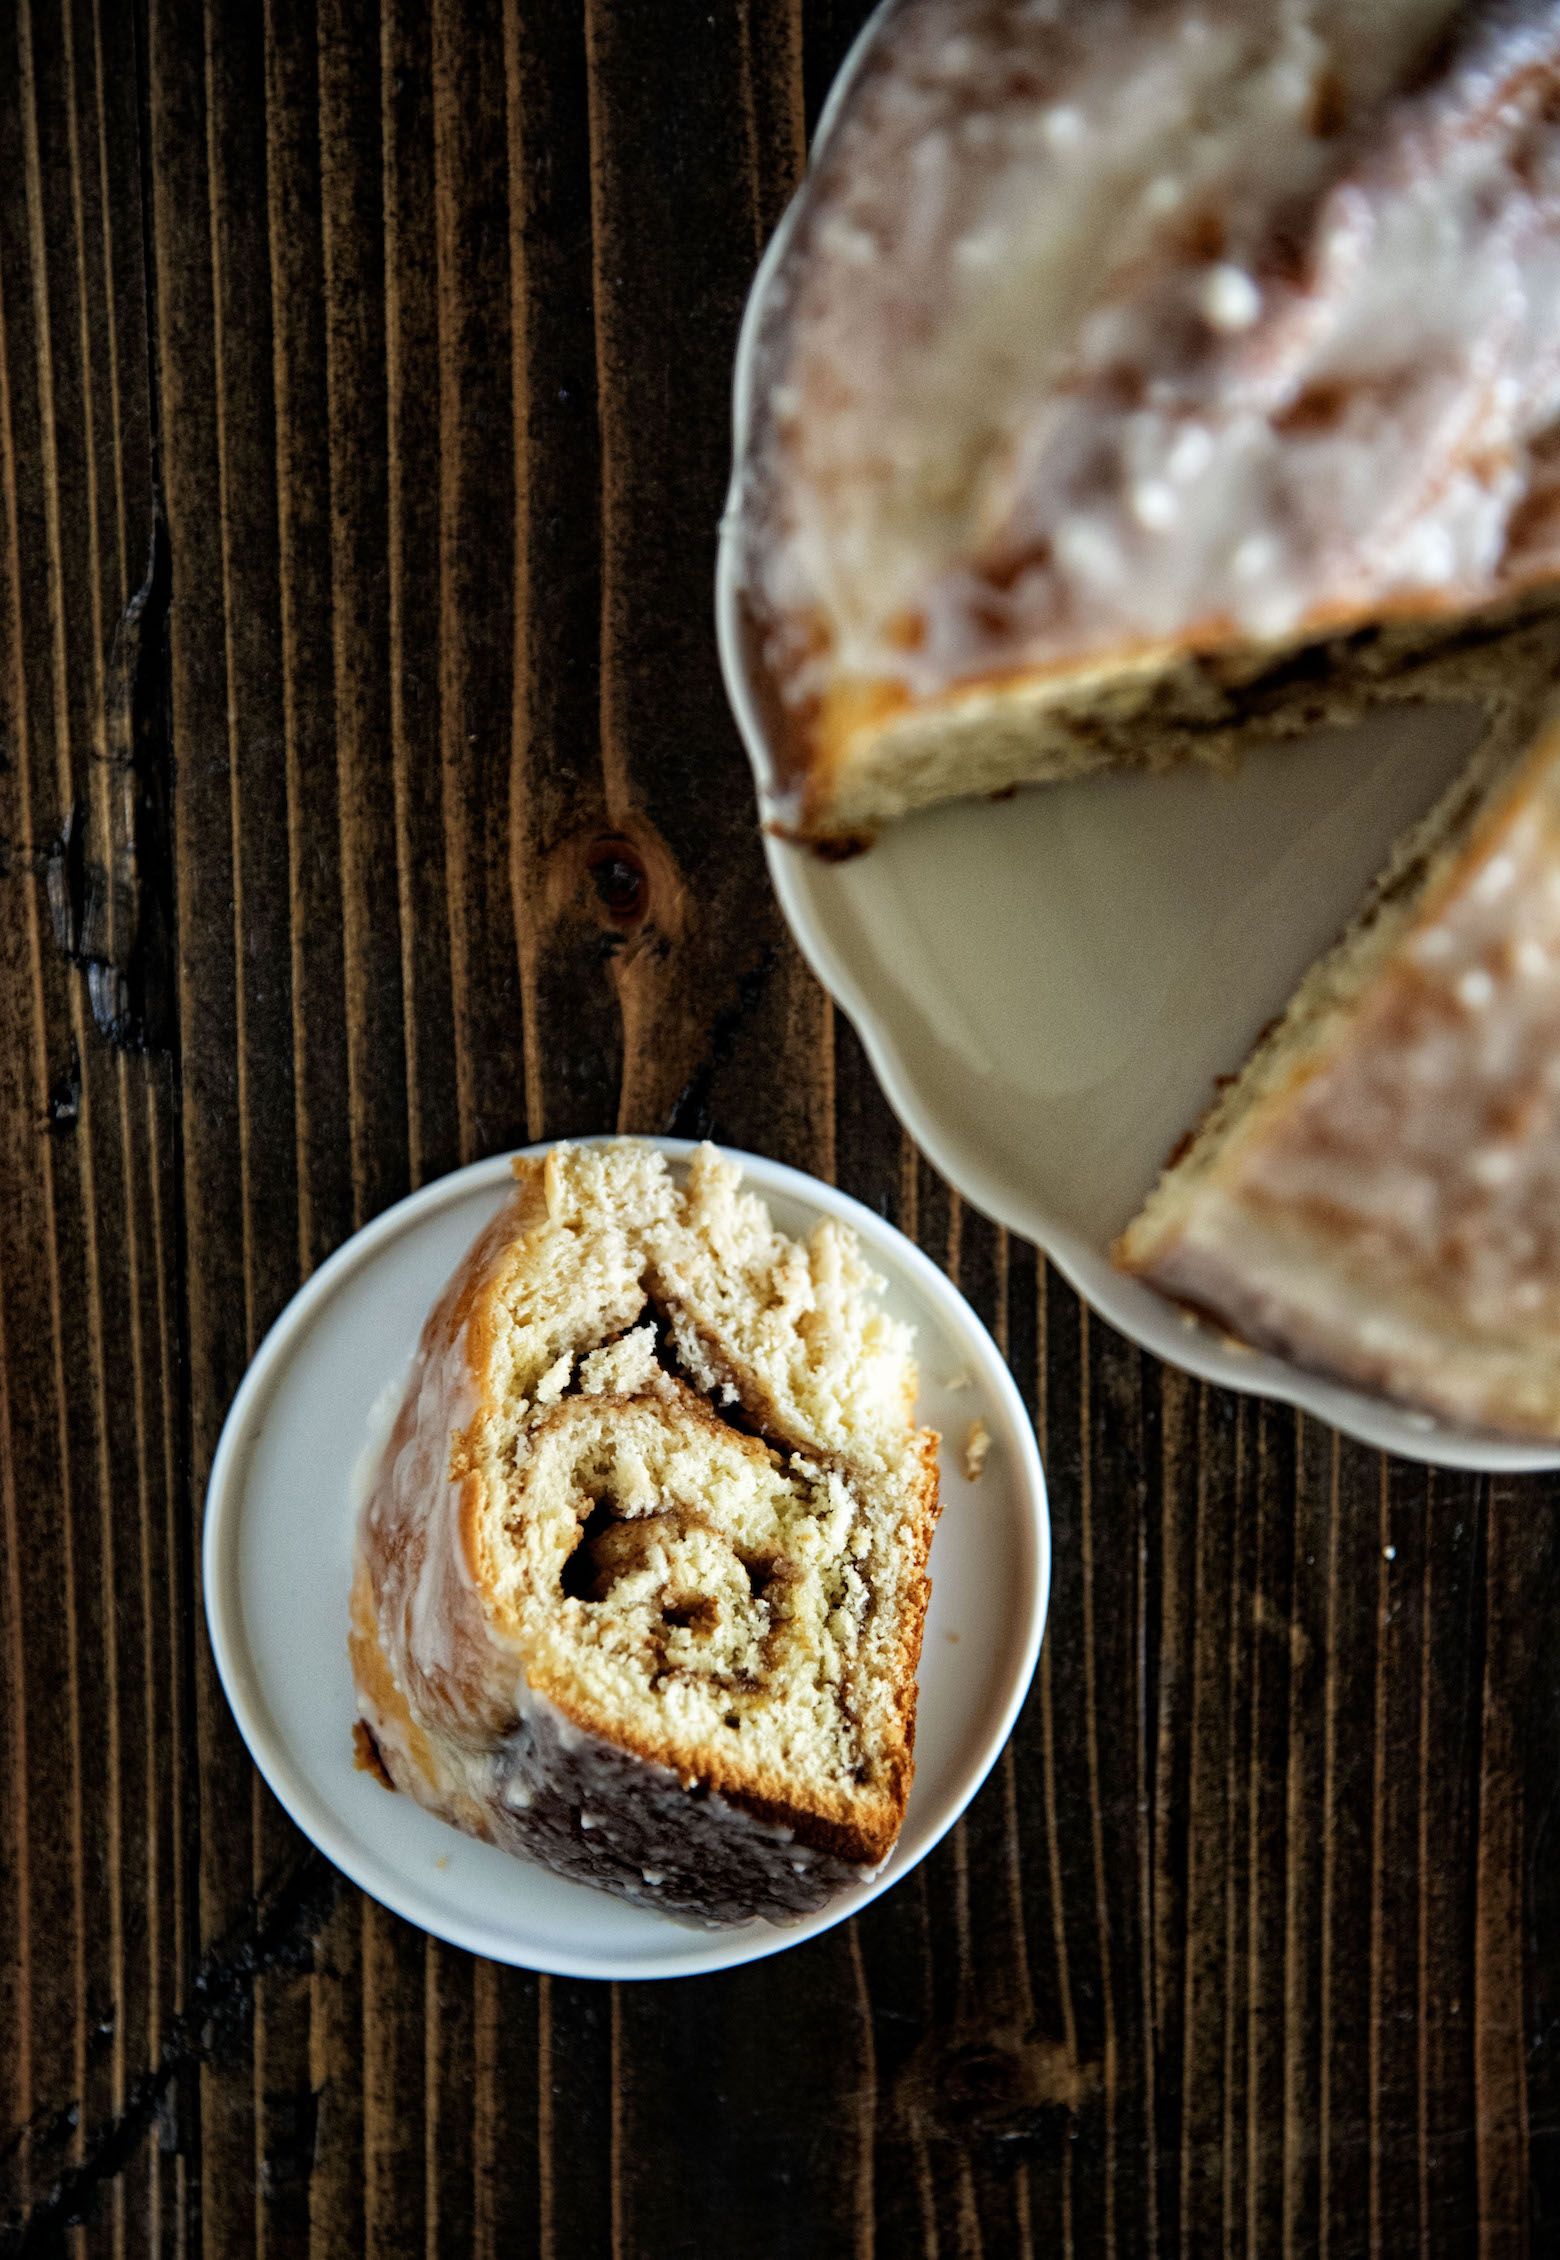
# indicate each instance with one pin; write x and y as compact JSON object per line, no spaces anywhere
{"x":1139,"y":372}
{"x":642,"y":1577}
{"x":1377,"y":1194}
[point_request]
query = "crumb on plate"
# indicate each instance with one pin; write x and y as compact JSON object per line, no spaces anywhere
{"x":976,"y":1445}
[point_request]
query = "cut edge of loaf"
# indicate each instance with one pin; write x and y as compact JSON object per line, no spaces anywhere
{"x":871,"y":753}
{"x":834,"y":1838}
{"x":1424,"y":861}
{"x":704,"y":1285}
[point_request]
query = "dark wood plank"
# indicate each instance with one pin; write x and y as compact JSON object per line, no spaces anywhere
{"x":95,"y":1572}
{"x":577,"y":881}
{"x":405,"y":81}
{"x":191,"y":250}
{"x":706,"y":964}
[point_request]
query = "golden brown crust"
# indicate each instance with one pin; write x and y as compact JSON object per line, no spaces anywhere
{"x":365,"y":1754}
{"x":1201,"y":699}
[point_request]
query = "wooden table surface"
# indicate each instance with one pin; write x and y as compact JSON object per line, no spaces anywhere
{"x":369,"y":803}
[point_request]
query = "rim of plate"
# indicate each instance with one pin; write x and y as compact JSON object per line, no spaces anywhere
{"x":1135,"y":1310}
{"x":690,"y":1952}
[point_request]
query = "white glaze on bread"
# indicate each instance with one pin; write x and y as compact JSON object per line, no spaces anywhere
{"x":1110,"y":333}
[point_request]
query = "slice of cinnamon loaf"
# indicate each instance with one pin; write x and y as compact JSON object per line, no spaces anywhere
{"x":642,"y":1578}
{"x":1377,"y":1194}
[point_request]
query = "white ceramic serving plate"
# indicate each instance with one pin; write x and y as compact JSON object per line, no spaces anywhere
{"x":277,"y":1562}
{"x":1048,"y":986}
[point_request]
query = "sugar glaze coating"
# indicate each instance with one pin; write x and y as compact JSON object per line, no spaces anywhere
{"x":1113,"y":327}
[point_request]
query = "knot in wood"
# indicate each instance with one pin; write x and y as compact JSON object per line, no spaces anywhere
{"x":994,"y":2091}
{"x":618,"y":874}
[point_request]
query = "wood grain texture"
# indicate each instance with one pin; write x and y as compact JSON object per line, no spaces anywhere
{"x":368,"y":803}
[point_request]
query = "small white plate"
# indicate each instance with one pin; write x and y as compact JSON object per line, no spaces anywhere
{"x":1048,"y":987}
{"x":277,"y":1563}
